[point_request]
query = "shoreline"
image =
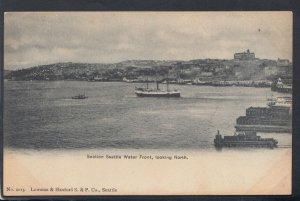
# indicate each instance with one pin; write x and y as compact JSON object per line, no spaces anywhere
{"x":226,"y":84}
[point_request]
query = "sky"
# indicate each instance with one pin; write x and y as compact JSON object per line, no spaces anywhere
{"x":36,"y":38}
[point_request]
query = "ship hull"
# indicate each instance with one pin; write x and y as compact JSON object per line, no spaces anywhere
{"x":157,"y":94}
{"x":282,"y":90}
{"x":269,"y":144}
{"x":264,"y":128}
{"x":248,"y":139}
{"x":79,"y":98}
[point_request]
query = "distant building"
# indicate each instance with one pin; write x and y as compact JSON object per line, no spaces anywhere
{"x":270,"y":70}
{"x":285,"y":70}
{"x":244,"y":55}
{"x":283,"y":62}
{"x":238,"y":74}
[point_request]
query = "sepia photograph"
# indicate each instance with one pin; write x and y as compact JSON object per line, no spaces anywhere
{"x":147,"y":103}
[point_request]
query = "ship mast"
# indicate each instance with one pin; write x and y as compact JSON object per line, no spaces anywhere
{"x":157,"y":87}
{"x":168,"y":81}
{"x":147,"y":82}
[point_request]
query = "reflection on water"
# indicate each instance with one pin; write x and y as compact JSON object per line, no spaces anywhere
{"x":42,"y":115}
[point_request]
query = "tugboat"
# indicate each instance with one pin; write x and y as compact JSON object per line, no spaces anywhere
{"x":79,"y":96}
{"x":244,"y":139}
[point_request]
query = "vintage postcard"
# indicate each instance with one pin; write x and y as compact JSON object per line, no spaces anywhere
{"x":147,"y":103}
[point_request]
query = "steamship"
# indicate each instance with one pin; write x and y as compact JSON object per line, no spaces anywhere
{"x":147,"y":92}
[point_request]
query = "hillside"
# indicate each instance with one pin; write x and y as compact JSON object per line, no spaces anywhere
{"x":6,"y":72}
{"x":202,"y":69}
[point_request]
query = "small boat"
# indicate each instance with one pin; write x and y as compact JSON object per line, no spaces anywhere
{"x":80,"y":96}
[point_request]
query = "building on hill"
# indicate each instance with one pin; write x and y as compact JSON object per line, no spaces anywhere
{"x":270,"y":71}
{"x":283,"y":62}
{"x":244,"y":55}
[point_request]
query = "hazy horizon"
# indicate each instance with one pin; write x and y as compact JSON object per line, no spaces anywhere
{"x":42,"y":38}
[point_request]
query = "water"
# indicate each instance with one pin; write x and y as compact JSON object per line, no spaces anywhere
{"x":47,"y":136}
{"x":42,"y":116}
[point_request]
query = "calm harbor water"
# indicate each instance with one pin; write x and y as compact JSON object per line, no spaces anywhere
{"x":42,"y":116}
